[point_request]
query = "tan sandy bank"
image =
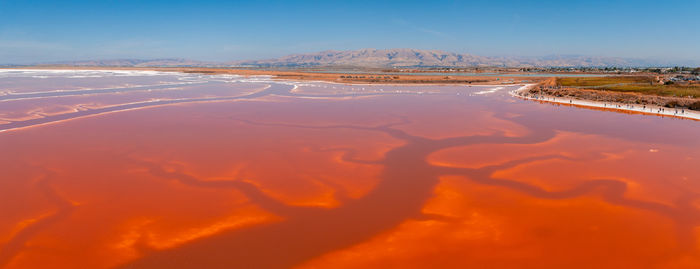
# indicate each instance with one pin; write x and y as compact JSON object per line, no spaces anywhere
{"x":522,"y":92}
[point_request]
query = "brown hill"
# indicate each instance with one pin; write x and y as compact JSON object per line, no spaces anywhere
{"x":431,"y":58}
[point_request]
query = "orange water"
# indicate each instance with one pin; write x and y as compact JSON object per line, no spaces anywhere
{"x":369,"y":178}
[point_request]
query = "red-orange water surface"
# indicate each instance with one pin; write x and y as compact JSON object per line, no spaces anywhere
{"x":266,"y":174}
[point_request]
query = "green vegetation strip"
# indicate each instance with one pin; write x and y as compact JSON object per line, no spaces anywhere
{"x":601,"y":81}
{"x":662,"y":90}
{"x":643,"y":85}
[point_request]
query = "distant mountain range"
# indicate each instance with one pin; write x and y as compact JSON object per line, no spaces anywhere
{"x":383,"y":58}
{"x":437,"y":58}
{"x":136,"y":63}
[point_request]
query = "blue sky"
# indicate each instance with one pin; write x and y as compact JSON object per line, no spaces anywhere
{"x":50,"y":30}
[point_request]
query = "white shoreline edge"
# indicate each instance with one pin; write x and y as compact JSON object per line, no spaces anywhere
{"x":650,"y":109}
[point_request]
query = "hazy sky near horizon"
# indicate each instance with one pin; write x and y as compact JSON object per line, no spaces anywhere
{"x":42,"y":31}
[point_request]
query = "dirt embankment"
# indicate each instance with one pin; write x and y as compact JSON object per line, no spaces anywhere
{"x":550,"y":88}
{"x":368,"y":78}
{"x":339,"y":77}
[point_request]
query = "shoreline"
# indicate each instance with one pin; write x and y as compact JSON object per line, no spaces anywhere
{"x":337,"y":77}
{"x":333,"y":78}
{"x":651,"y":110}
